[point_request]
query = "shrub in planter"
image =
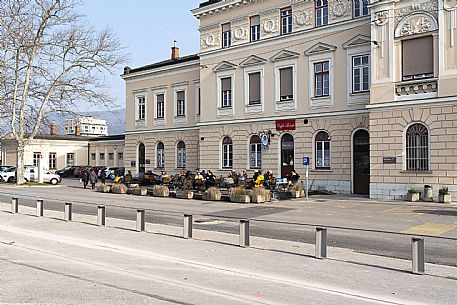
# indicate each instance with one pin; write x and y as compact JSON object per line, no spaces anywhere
{"x":138,"y":191}
{"x":184,"y":194}
{"x":103,"y":188}
{"x":161,"y":191}
{"x":260,"y":194}
{"x":213,"y":193}
{"x":119,"y":189}
{"x":297,"y":190}
{"x":413,"y":195}
{"x":239,"y":194}
{"x":444,"y":196}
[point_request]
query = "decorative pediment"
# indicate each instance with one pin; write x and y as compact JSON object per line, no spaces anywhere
{"x":253,"y":60}
{"x":320,"y":48}
{"x":224,"y":65}
{"x":357,"y":41}
{"x":284,"y":55}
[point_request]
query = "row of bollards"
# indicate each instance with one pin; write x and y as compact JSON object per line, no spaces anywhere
{"x":417,"y":245}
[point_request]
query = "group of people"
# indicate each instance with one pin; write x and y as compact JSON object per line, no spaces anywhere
{"x":91,"y":177}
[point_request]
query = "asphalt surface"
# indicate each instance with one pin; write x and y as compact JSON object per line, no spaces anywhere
{"x":267,"y":221}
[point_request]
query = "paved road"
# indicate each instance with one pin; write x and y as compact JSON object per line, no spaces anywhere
{"x":334,"y":211}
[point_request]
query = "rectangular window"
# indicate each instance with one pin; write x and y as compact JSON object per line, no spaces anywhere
{"x":141,"y":115}
{"x":70,"y":159}
{"x":52,"y":161}
{"x":199,"y":100}
{"x":102,"y":156}
{"x":226,"y":35}
{"x":255,"y":28}
{"x":36,"y":158}
{"x":92,"y":156}
{"x":120,"y":156}
{"x":226,"y":85}
{"x":286,"y":83}
{"x":286,"y":21}
{"x":360,"y":73}
{"x":254,"y":88}
{"x":321,"y":12}
{"x":417,"y":57}
{"x":160,"y":106}
{"x":321,"y":79}
{"x":111,"y":156}
{"x":360,"y":8}
{"x":181,"y":103}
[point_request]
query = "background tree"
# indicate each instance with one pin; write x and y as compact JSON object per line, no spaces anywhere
{"x":51,"y":61}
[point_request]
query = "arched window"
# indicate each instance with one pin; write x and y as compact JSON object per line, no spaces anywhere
{"x":227,"y":153}
{"x":181,"y":155}
{"x":322,"y":144}
{"x":255,"y":151}
{"x":417,"y":156}
{"x":160,"y":155}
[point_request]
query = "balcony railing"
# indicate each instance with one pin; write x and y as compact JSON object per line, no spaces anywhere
{"x":416,"y":86}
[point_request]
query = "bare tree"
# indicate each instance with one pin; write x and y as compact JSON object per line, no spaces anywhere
{"x":51,"y":61}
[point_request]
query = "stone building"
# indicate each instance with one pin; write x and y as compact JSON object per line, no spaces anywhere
{"x":363,"y":89}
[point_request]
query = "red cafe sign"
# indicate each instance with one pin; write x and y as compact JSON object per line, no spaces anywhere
{"x":285,"y":125}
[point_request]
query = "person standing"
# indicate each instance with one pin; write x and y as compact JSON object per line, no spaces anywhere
{"x":84,"y":178}
{"x":103,"y":176}
{"x":93,"y":179}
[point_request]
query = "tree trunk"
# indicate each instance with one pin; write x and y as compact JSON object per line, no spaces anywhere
{"x":20,"y":164}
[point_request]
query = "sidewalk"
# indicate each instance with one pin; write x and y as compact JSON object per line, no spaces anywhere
{"x":46,"y":260}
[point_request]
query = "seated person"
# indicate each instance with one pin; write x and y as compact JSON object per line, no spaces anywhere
{"x":259,"y":180}
{"x":128,"y":176}
{"x":267,"y":177}
{"x":294,"y":177}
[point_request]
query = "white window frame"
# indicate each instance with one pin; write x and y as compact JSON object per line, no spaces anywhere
{"x":254,"y":31}
{"x":359,"y":97}
{"x":141,"y":122}
{"x":361,"y":6}
{"x":287,"y":105}
{"x":289,"y":19}
{"x":67,"y":159}
{"x":160,"y":157}
{"x":257,"y":161}
{"x":54,"y":160}
{"x":320,"y":21}
{"x":36,"y":158}
{"x":227,"y":37}
{"x":256,"y":108}
{"x":321,"y":101}
{"x":224,"y":111}
{"x":160,"y":121}
{"x":198,"y":105}
{"x":361,"y":68}
{"x":226,"y":154}
{"x":329,"y":168}
{"x":180,"y":119}
{"x":181,"y":155}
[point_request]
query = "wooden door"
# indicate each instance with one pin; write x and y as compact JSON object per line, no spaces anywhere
{"x":361,"y":162}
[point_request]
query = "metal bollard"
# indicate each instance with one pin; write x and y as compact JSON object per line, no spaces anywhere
{"x":244,"y":233}
{"x":418,"y":255}
{"x":321,"y":242}
{"x":67,"y":214}
{"x":39,"y":208}
{"x":14,"y":205}
{"x":140,"y":225}
{"x":187,"y":226}
{"x":101,"y":216}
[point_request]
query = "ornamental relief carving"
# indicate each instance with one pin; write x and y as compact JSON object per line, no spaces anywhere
{"x":270,"y":25}
{"x":430,"y":7}
{"x":381,"y":18}
{"x":240,"y":33}
{"x":416,"y":24}
{"x":340,"y":8}
{"x":303,"y":18}
{"x":210,"y":41}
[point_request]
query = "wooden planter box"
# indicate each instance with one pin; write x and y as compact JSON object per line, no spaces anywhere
{"x":212,"y":197}
{"x":241,"y":199}
{"x":162,"y":191}
{"x":295,"y":194}
{"x":413,"y":197}
{"x":138,"y":192}
{"x":184,"y":194}
{"x":103,"y":188}
{"x":445,"y":198}
{"x":119,"y":190}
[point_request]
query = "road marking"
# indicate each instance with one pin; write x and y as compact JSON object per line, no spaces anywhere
{"x":430,"y":228}
{"x":409,"y":210}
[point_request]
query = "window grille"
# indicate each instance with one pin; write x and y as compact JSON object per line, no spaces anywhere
{"x":417,"y":154}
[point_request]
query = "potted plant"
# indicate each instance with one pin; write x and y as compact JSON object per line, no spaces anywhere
{"x":444,"y":196}
{"x":239,"y":194}
{"x":138,"y":191}
{"x":297,"y":190}
{"x":413,"y":195}
{"x":119,"y":189}
{"x":161,"y":191}
{"x":213,"y":193}
{"x":260,"y":195}
{"x":103,"y":188}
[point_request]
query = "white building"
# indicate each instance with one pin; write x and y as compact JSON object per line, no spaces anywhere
{"x":86,"y":127}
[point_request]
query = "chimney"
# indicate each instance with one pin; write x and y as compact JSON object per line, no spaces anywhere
{"x":77,"y":130}
{"x":53,"y":129}
{"x":174,"y":51}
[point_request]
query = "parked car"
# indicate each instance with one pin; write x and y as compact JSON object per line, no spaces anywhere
{"x":113,"y":172}
{"x":30,"y":174}
{"x":9,"y":175}
{"x":4,"y":168}
{"x":68,"y":171}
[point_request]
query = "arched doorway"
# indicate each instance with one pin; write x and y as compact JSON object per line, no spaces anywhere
{"x":141,"y":158}
{"x":287,"y":154}
{"x":361,"y":162}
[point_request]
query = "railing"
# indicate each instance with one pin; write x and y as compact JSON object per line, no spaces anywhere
{"x":321,"y":232}
{"x":414,"y":87}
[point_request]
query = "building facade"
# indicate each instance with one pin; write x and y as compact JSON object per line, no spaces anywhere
{"x":86,"y":127}
{"x":363,"y":88}
{"x":107,"y":151}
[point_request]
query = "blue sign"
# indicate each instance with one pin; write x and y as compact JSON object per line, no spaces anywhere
{"x":306,"y":161}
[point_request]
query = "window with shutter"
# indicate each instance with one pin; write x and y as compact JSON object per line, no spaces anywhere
{"x":254,"y":88}
{"x":417,"y":58}
{"x":286,"y":83}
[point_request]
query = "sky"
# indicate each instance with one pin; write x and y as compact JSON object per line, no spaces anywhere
{"x":147,"y":29}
